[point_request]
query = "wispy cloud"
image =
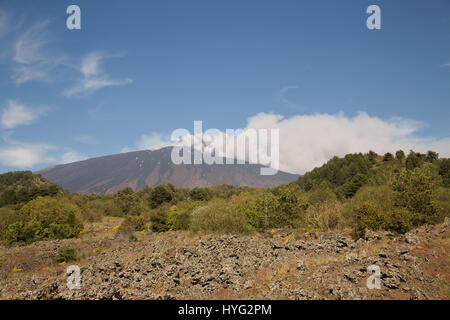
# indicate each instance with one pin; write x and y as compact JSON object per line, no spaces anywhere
{"x":151,"y":141}
{"x":93,"y":77}
{"x":445,"y":65}
{"x":17,"y":114}
{"x":25,"y":155}
{"x":31,"y":60}
{"x":283,"y":98}
{"x":71,"y":156}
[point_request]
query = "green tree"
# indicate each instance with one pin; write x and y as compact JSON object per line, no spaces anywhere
{"x":388,"y":157}
{"x":414,"y":160}
{"x":45,"y":218}
{"x":129,"y":202}
{"x":413,"y":191}
{"x":444,"y":172}
{"x":372,"y":157}
{"x":400,"y":155}
{"x":432,"y":156}
{"x":160,"y":194}
{"x":199,"y":194}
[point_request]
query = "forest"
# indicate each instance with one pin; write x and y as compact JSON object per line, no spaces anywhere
{"x":390,"y":192}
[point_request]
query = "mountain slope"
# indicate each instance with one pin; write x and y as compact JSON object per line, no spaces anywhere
{"x":136,"y":169}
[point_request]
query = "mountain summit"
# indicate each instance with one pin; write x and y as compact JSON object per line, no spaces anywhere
{"x":108,"y":174}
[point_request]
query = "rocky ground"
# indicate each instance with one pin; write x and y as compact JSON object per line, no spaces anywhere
{"x":276,"y":265}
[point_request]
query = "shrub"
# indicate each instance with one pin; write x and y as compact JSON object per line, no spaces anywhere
{"x":381,"y":196}
{"x":159,"y":195}
{"x":413,"y":160}
{"x":367,"y":216}
{"x":388,"y":157}
{"x":325,"y":216}
{"x":128,"y":202}
{"x":218,"y":217}
{"x":441,"y":202}
{"x":400,"y":155}
{"x":321,"y":194}
{"x":413,"y":191}
{"x":158,"y":218}
{"x":45,"y":218}
{"x":199,"y":194}
{"x":398,"y":221}
{"x":178,"y":219}
{"x":137,"y":223}
{"x":65,"y":255}
{"x":444,"y":172}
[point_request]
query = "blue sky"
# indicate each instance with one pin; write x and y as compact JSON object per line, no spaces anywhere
{"x":139,"y":69}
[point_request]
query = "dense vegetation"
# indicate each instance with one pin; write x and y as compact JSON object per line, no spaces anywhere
{"x":391,"y":192}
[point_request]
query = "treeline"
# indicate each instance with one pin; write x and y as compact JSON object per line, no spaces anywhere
{"x":21,"y":187}
{"x":392,"y":192}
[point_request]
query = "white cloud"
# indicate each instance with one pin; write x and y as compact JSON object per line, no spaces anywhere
{"x":71,"y":156}
{"x":308,"y":141}
{"x":23,"y":155}
{"x":445,"y":65}
{"x":154,"y":141}
{"x":29,"y":45}
{"x":93,"y":77}
{"x":16,"y":114}
{"x":151,"y":141}
{"x":32,"y":62}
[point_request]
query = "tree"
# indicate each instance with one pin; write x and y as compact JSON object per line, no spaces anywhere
{"x":413,"y":160}
{"x":158,"y":219}
{"x":444,"y":172}
{"x":200,"y":194}
{"x":128,"y":202}
{"x":413,"y":191}
{"x":388,"y":156}
{"x":45,"y":218}
{"x":372,"y":156}
{"x":431,"y":156}
{"x":159,"y":195}
{"x":400,"y":155}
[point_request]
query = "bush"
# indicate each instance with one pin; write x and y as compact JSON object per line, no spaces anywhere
{"x":65,"y":255}
{"x":388,"y":157}
{"x":137,"y":223}
{"x":367,"y":216}
{"x":413,"y":191}
{"x":444,"y":172}
{"x":199,"y":194}
{"x":45,"y":219}
{"x":321,"y":194}
{"x":381,"y":196}
{"x":129,"y":202}
{"x":441,"y":202}
{"x":158,"y":218}
{"x":218,"y":217}
{"x":325,"y":216}
{"x":178,"y":219}
{"x":159,"y":195}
